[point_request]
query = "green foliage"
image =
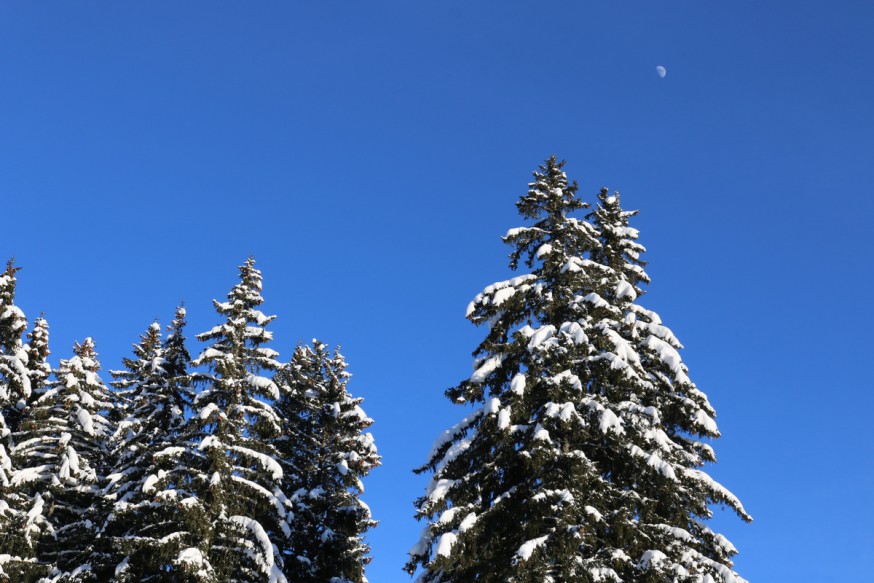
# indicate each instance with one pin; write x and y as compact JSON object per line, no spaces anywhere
{"x":325,"y":453}
{"x":579,"y":461}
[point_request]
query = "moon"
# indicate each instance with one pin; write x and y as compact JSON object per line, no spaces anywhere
{"x":661,"y":71}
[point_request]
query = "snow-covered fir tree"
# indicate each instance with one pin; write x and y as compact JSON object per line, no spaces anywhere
{"x":21,"y":519}
{"x":618,"y":247}
{"x":15,"y":387}
{"x":144,"y":530}
{"x":228,"y":477}
{"x":38,"y":368}
{"x":581,"y":458}
{"x":60,"y":456}
{"x":176,"y":356}
{"x":325,"y":452}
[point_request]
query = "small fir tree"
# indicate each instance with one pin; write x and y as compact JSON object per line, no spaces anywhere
{"x":580,"y":462}
{"x":325,"y":452}
{"x":38,"y":368}
{"x":60,"y":457}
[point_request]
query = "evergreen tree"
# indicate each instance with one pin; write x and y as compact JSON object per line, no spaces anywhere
{"x":14,"y":379}
{"x":21,"y":519}
{"x":580,"y":462}
{"x":176,"y":356}
{"x":325,"y":453}
{"x":143,"y":532}
{"x":37,"y":348}
{"x":618,"y":247}
{"x":60,"y":458}
{"x":229,"y":468}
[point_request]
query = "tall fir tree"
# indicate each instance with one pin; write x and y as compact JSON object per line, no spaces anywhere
{"x":580,"y":461}
{"x":15,"y":387}
{"x":61,"y":460}
{"x":145,"y":528}
{"x":325,"y":452}
{"x":21,"y":519}
{"x":229,"y":467}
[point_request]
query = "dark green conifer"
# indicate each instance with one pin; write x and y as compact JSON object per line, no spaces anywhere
{"x":60,"y":456}
{"x":228,"y":471}
{"x":145,"y":529}
{"x":325,"y":452}
{"x":579,"y":461}
{"x":21,"y":514}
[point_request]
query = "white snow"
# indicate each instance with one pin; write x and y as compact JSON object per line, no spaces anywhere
{"x":669,"y":355}
{"x":267,"y":462}
{"x":527,"y":549}
{"x":650,"y":559}
{"x":36,"y":510}
{"x":503,"y":419}
{"x":449,"y":434}
{"x":625,"y":290}
{"x":654,"y":461}
{"x":503,"y":295}
{"x":492,"y":406}
{"x":718,"y":489}
{"x":544,"y":249}
{"x":705,"y":421}
{"x":209,"y":441}
{"x":30,"y":474}
{"x":207,"y":411}
{"x":486,"y":368}
{"x":593,"y":512}
{"x":192,"y":556}
{"x":540,"y":336}
{"x":149,"y":484}
{"x":444,"y":544}
{"x":541,"y":434}
{"x":610,"y":422}
{"x":437,"y":489}
{"x":467,"y":522}
{"x":265,"y":558}
{"x":575,"y":331}
{"x":85,"y":421}
{"x":517,"y":385}
{"x":263,"y":384}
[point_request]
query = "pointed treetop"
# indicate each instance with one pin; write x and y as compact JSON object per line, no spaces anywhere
{"x":87,"y":355}
{"x":619,"y":248}
{"x":550,"y":193}
{"x":11,"y":270}
{"x":250,"y":276}
{"x":38,"y":353}
{"x":555,"y":236}
{"x":39,"y":337}
{"x":12,"y":320}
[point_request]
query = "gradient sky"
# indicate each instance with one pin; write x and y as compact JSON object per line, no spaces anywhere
{"x":369,"y":155}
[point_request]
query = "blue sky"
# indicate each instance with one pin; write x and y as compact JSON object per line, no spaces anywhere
{"x":369,"y":156}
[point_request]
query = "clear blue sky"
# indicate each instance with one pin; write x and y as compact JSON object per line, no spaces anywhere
{"x":369,"y":155}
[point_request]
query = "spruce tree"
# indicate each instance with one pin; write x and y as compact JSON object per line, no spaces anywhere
{"x":144,"y":530}
{"x":580,"y":460}
{"x":14,"y":379}
{"x":21,"y":518}
{"x":325,"y":452}
{"x":38,"y":368}
{"x":60,"y":458}
{"x":228,"y":464}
